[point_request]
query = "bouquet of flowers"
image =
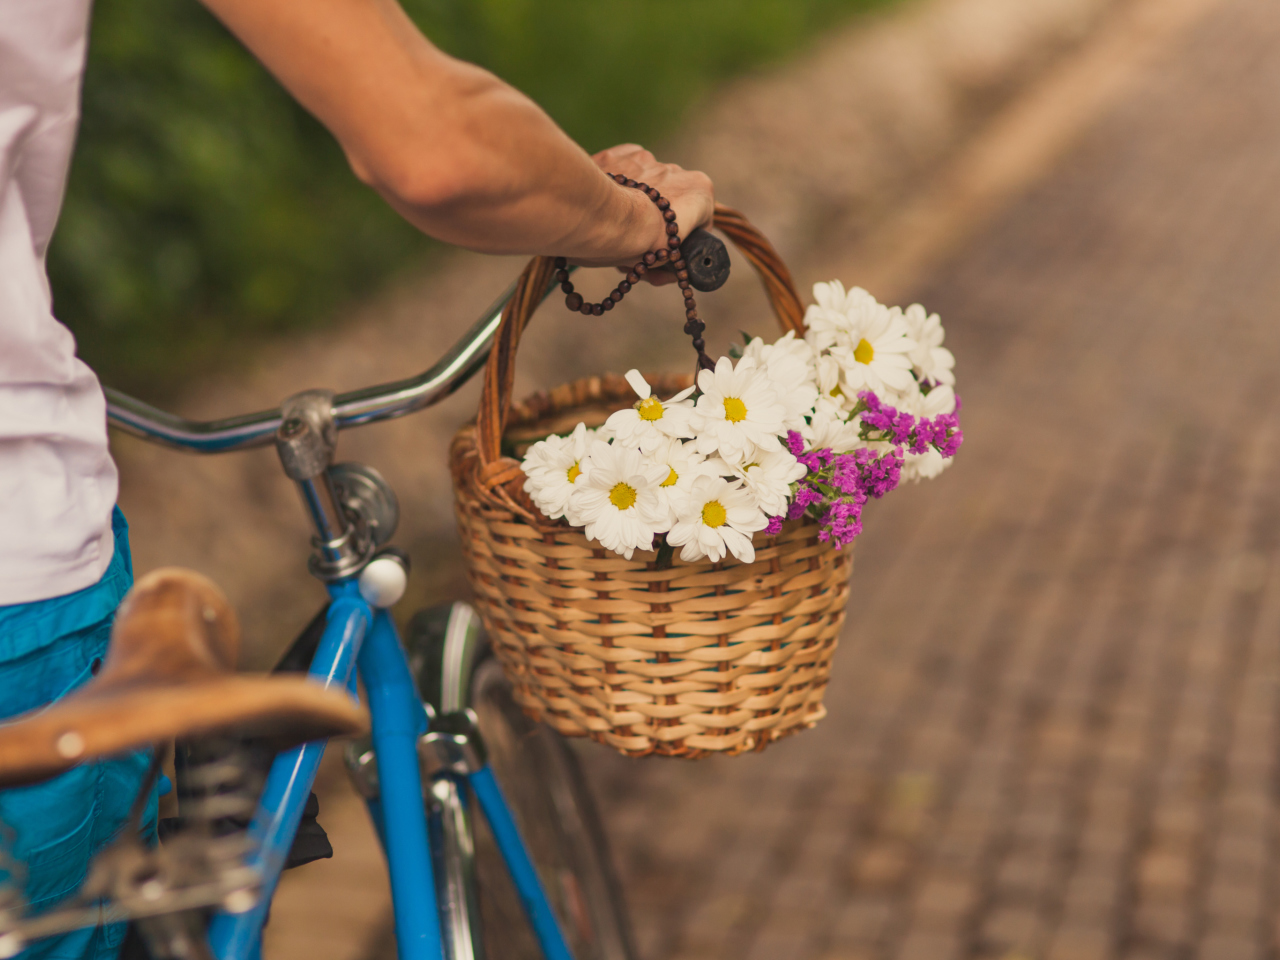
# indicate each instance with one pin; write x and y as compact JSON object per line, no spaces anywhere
{"x":814,"y":426}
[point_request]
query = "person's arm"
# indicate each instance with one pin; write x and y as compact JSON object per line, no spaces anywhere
{"x":462,"y":155}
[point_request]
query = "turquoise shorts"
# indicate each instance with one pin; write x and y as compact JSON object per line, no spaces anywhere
{"x":47,"y":649}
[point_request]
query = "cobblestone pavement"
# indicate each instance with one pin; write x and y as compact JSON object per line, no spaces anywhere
{"x":1053,"y":719}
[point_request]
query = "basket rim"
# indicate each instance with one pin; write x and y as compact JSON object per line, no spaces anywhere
{"x":581,"y":394}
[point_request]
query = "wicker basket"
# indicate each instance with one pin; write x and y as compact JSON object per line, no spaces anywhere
{"x":685,"y":659}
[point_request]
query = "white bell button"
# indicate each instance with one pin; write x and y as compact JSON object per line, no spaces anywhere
{"x":383,"y":581}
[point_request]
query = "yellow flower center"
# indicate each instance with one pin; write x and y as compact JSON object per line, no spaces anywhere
{"x":574,"y":472}
{"x":864,"y":352}
{"x":650,"y":408}
{"x":713,"y":514}
{"x":836,"y":391}
{"x":623,"y":496}
{"x":734,"y":409}
{"x":672,"y":477}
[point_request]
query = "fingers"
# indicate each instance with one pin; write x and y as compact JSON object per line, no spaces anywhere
{"x":690,"y":193}
{"x":699,"y":195}
{"x":628,"y":159}
{"x":657,"y":276}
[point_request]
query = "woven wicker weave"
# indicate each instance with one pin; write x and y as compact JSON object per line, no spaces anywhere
{"x":683,"y":660}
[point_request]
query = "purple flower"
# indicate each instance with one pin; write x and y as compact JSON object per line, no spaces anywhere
{"x":841,"y":523}
{"x":807,"y":495}
{"x":883,"y":422}
{"x":838,"y":486}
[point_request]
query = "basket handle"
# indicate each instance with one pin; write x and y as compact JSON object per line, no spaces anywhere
{"x":494,"y":470}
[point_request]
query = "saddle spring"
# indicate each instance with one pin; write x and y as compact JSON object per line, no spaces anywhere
{"x":218,"y":785}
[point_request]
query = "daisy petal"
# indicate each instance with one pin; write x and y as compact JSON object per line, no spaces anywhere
{"x":638,"y":384}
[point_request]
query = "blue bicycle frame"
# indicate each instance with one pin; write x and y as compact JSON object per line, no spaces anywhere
{"x":359,"y":639}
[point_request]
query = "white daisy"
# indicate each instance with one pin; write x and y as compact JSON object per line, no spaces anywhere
{"x":790,"y":365}
{"x":931,"y":359}
{"x":554,"y":467}
{"x":617,"y":500}
{"x":830,"y":393}
{"x":829,"y":429}
{"x":602,"y":432}
{"x":941,"y":399}
{"x":650,"y":420}
{"x":834,"y":313}
{"x":923,"y":466}
{"x":874,"y":352}
{"x":739,"y":412}
{"x":907,"y":399}
{"x":718,"y":518}
{"x":769,"y":480}
{"x":683,"y":464}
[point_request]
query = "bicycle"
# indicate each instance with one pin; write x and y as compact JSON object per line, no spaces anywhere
{"x":447,"y":737}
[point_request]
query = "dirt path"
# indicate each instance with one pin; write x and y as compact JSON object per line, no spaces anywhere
{"x":1020,"y":647}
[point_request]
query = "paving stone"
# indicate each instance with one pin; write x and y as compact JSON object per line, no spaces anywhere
{"x":1238,"y":852}
{"x":1104,"y":841}
{"x":883,"y":864}
{"x":1028,"y":874}
{"x":919,"y":945}
{"x":863,"y":919}
{"x":1093,"y":896}
{"x":1230,"y":898}
{"x":719,"y":911}
{"x":769,"y":944}
{"x":1230,"y":948}
{"x":943,"y":903}
{"x":1162,"y":922}
{"x":1165,"y":873}
{"x":1080,"y":943}
{"x":804,"y":890}
{"x":1012,"y":929}
{"x":1044,"y":824}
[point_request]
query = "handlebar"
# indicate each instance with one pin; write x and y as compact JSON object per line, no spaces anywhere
{"x":708,"y":264}
{"x":384,"y":402}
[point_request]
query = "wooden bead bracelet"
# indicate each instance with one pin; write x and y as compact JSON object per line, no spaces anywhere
{"x":693,"y":325}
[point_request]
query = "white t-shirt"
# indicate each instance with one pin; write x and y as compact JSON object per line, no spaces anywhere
{"x":57,"y":481}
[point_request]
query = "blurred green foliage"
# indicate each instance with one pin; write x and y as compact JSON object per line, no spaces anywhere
{"x":206,"y":209}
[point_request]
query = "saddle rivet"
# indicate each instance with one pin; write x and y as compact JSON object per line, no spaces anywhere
{"x":70,"y":745}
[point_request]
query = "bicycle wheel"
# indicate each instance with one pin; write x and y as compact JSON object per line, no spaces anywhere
{"x":544,"y":785}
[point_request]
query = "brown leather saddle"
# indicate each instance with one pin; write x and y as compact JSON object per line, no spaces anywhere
{"x":170,"y":673}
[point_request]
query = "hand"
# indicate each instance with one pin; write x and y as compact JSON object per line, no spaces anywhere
{"x":691,"y":193}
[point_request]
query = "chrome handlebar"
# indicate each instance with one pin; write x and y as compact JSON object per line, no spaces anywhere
{"x":353,"y":409}
{"x":708,"y":266}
